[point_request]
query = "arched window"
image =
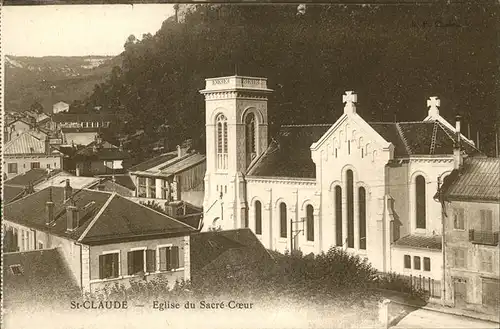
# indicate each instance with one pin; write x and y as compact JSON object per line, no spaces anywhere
{"x":362,"y":218}
{"x":258,"y":217}
{"x":221,"y":142}
{"x":283,"y":230}
{"x":250,"y":141}
{"x":420,"y":201}
{"x":338,"y":215}
{"x":310,"y":222}
{"x":350,"y":209}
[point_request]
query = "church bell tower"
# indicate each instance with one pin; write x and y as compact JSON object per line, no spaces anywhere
{"x":236,"y":133}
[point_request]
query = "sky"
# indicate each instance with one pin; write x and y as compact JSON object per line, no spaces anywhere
{"x":77,"y":30}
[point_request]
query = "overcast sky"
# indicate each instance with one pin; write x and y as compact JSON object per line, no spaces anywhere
{"x":77,"y":30}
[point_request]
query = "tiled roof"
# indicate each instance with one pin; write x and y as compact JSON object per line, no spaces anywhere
{"x":29,"y":142}
{"x":479,"y":179}
{"x":420,"y":241}
{"x":222,"y":248}
{"x":289,"y":154}
{"x":33,"y":176}
{"x":43,"y":276}
{"x":59,"y":180}
{"x":183,"y":164}
{"x":105,"y":151}
{"x":103,"y":216}
{"x":83,"y":117}
{"x":156,"y":161}
{"x":12,"y":193}
{"x":123,"y":180}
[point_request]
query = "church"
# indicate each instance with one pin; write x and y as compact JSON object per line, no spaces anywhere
{"x":367,"y":187}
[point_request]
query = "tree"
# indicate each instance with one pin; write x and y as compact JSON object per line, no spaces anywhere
{"x":36,"y":107}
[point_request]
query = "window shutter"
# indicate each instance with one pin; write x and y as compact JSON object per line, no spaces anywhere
{"x":101,"y":266}
{"x":150,"y":260}
{"x":175,"y":257}
{"x":130,"y":262}
{"x":163,"y":259}
{"x":168,"y":259}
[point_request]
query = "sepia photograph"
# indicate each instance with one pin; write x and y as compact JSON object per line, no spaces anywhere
{"x":250,"y":165}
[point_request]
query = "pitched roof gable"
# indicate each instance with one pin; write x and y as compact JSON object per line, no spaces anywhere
{"x":32,"y":176}
{"x":153,"y":162}
{"x":29,"y":142}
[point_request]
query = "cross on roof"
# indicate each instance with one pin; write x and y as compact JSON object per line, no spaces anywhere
{"x":433,"y":102}
{"x":349,"y":97}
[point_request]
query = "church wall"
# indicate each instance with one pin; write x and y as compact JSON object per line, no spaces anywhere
{"x":296,"y":195}
{"x":399,"y":191}
{"x":430,"y":170}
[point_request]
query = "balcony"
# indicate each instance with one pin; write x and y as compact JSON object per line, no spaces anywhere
{"x":483,"y":237}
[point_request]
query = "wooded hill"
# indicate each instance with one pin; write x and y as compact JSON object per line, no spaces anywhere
{"x":394,"y":57}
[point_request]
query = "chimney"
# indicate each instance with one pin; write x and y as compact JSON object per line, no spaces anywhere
{"x":47,"y":145}
{"x":49,"y":209}
{"x":71,"y":217}
{"x":179,"y":151}
{"x":68,"y":191}
{"x":457,"y":148}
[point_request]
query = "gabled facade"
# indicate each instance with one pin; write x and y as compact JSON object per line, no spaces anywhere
{"x":359,"y":185}
{"x":103,"y":237}
{"x":99,"y":158}
{"x":471,"y":206}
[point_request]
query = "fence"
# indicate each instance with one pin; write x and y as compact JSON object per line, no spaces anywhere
{"x":409,"y":284}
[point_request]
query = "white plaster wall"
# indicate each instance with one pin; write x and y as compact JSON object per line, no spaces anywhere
{"x":436,"y":257}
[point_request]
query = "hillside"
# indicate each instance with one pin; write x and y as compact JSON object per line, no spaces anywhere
{"x":52,"y":79}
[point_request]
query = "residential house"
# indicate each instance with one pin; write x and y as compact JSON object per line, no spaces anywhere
{"x":30,"y":150}
{"x":60,"y":107}
{"x":169,"y":177}
{"x":216,"y":253}
{"x":99,"y":158}
{"x":81,"y":129}
{"x":366,"y":187}
{"x":471,"y":203}
{"x":37,"y":277}
{"x":15,"y":126}
{"x":104,"y":238}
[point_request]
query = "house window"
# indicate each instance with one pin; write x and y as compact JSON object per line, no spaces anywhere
{"x":458,"y":219}
{"x":165,"y":189}
{"x":135,"y":262}
{"x":416,"y":262}
{"x":486,"y":261}
{"x":407,"y":260}
{"x":35,"y":165}
{"x":48,"y":165}
{"x":283,"y":229}
{"x":350,"y":209}
{"x":12,"y":168}
{"x":221,"y":142}
{"x":40,"y":245}
{"x":310,"y":222}
{"x":486,"y":220}
{"x":460,"y":260}
{"x":362,"y":218}
{"x":141,"y":187}
{"x":490,"y":295}
{"x":151,"y":188}
{"x":427,"y":264}
{"x":109,"y":266}
{"x":169,"y":258}
{"x":338,"y":215}
{"x":258,"y":217}
{"x":420,"y":201}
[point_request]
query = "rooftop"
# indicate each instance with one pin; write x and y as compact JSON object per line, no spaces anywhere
{"x":478,"y":180}
{"x":33,"y":176}
{"x":83,"y":117}
{"x":29,"y":142}
{"x":236,"y":82}
{"x":59,"y":180}
{"x":153,"y":162}
{"x":420,"y":241}
{"x":103,"y":217}
{"x":12,"y":193}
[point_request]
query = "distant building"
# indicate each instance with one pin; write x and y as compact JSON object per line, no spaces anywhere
{"x":30,"y":150}
{"x":14,"y":127}
{"x":99,"y":158}
{"x":60,"y":107}
{"x":81,"y":129}
{"x":471,"y":204}
{"x":170,"y":177}
{"x":103,"y":237}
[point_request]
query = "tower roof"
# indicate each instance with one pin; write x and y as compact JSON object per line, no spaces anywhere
{"x":235,"y":83}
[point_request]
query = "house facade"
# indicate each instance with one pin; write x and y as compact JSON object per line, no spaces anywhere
{"x":103,"y":237}
{"x":367,"y":187}
{"x":81,"y":129}
{"x":30,"y":150}
{"x":99,"y":158}
{"x":471,"y":202}
{"x":60,"y":107}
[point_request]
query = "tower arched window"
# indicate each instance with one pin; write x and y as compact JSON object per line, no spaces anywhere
{"x":250,"y":136}
{"x":350,"y":209}
{"x":338,"y":215}
{"x":258,"y":217}
{"x":362,"y":217}
{"x":283,"y":220}
{"x":222,"y":159}
{"x":420,"y":205}
{"x":310,"y":222}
